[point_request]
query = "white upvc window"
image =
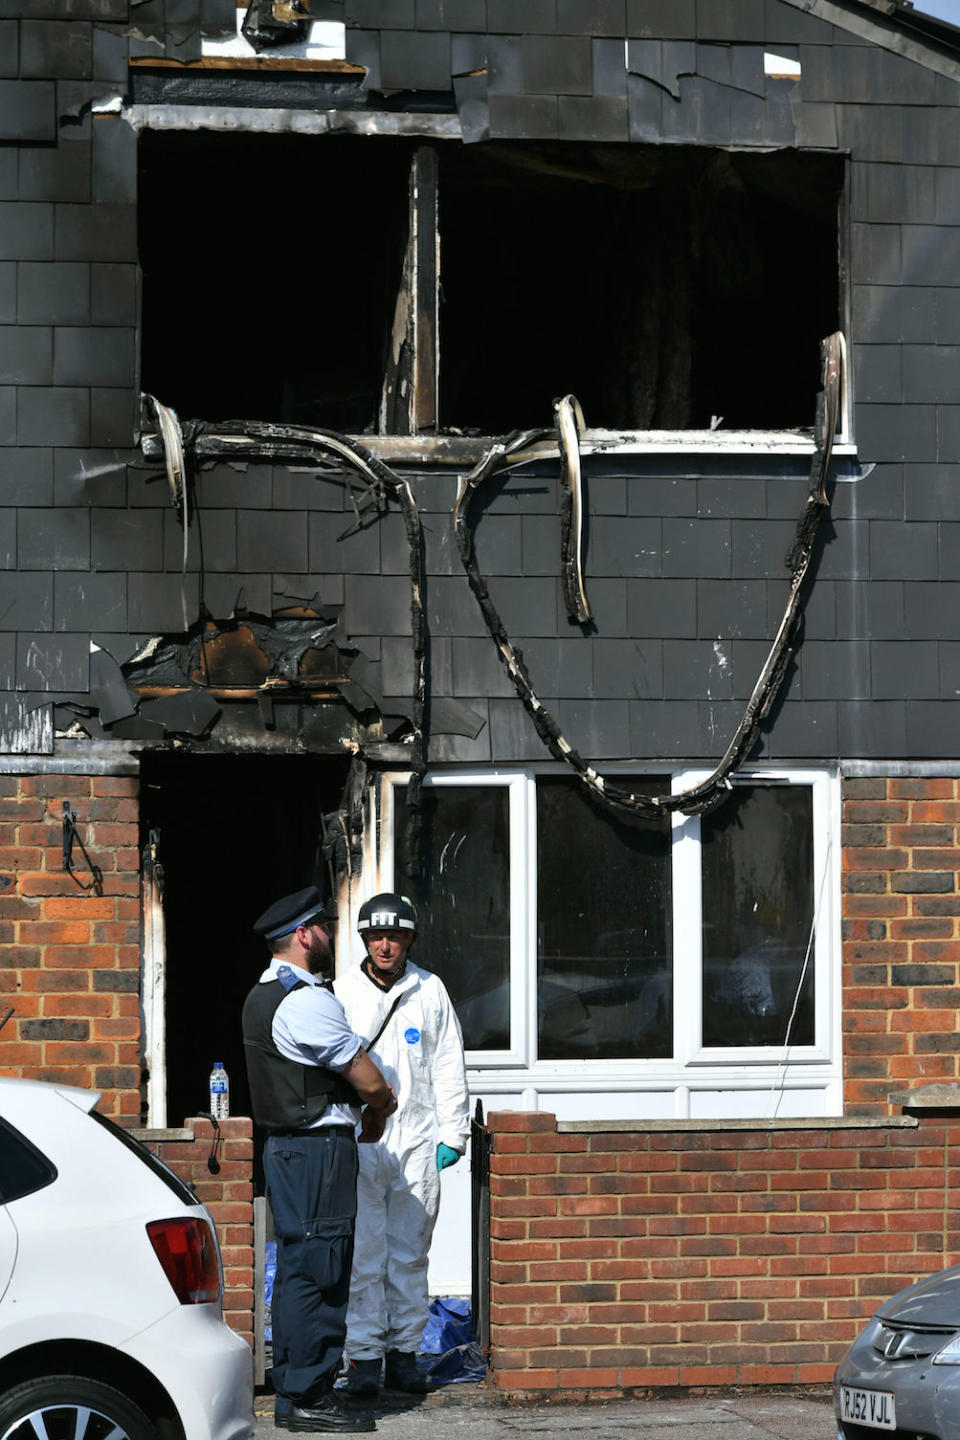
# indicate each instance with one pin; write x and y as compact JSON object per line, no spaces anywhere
{"x":693,"y":960}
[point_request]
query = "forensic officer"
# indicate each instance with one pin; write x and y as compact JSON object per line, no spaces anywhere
{"x":309,"y":1075}
{"x":414,"y":1036}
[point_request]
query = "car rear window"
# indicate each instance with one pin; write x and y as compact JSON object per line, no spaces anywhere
{"x":163,"y":1172}
{"x":22,"y":1167}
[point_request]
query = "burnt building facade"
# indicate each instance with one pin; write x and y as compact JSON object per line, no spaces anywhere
{"x":508,"y":453}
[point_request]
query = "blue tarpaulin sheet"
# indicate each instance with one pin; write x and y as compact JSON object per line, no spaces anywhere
{"x":448,"y":1351}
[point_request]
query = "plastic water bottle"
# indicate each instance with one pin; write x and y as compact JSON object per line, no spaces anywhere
{"x":219,"y":1092}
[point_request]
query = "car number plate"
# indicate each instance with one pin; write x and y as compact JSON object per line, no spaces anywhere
{"x":875,"y":1408}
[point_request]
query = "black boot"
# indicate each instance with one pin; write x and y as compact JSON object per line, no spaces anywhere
{"x":363,"y":1377}
{"x":327,"y":1414}
{"x":403,"y":1373}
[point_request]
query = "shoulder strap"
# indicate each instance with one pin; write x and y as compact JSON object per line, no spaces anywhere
{"x":370,"y":1043}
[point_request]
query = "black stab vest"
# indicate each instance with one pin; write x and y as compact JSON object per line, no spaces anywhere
{"x":284,"y":1094}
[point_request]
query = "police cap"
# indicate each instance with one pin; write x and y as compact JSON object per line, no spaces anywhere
{"x":283,"y":916}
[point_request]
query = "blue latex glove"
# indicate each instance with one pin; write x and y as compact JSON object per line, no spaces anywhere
{"x":446,"y":1156}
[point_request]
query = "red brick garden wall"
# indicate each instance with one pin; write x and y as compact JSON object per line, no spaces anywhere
{"x":901,"y":906}
{"x":622,"y":1260}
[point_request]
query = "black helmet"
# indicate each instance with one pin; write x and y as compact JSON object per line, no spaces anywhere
{"x":387,"y":912}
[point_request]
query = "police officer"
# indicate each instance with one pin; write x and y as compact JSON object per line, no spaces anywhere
{"x":415,"y":1038}
{"x":309,"y":1075}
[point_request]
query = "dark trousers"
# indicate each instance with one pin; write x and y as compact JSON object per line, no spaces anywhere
{"x":312,"y":1190}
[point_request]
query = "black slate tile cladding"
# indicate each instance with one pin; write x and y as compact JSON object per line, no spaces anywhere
{"x":55,"y":415}
{"x":113,"y":416}
{"x":128,"y":540}
{"x":452,"y":15}
{"x":632,"y":667}
{"x":92,"y":602}
{"x":56,"y":49}
{"x":96,"y":479}
{"x":411,"y":60}
{"x":211,"y":536}
{"x":53,"y":539}
{"x":96,"y":232}
{"x":155,"y":603}
{"x":685,"y":561}
{"x":53,"y":294}
{"x":591,"y":17}
{"x":555,"y":65}
{"x":26,"y":476}
{"x":8,"y":415}
{"x":56,"y":174}
{"x":672,"y":19}
{"x":836,"y":671}
{"x":26,"y":601}
{"x":26,"y":354}
{"x":8,"y":292}
{"x":53,"y":662}
{"x":8,"y":539}
{"x":27,"y":110}
{"x":26,"y":231}
{"x":9,"y":48}
{"x":113,"y":294}
{"x":477,"y":669}
{"x":89,"y":477}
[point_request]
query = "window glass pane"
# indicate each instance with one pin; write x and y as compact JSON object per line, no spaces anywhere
{"x":757,"y":869}
{"x":461,"y":889}
{"x":22,"y":1168}
{"x":604,"y":968}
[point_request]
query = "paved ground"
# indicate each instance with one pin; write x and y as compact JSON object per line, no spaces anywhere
{"x":457,"y":1414}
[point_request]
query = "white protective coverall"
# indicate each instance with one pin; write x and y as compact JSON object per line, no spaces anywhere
{"x":398,"y":1191}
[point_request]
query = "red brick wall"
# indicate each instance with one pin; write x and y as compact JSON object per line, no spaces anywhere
{"x":901,"y":903}
{"x":627,"y":1260}
{"x":71,"y":970}
{"x":229,"y":1198}
{"x":71,"y":960}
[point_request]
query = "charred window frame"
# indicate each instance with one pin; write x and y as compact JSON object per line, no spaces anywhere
{"x":459,"y":288}
{"x":748,"y":939}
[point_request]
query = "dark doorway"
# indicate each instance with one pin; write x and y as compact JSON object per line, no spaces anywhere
{"x":235,"y":833}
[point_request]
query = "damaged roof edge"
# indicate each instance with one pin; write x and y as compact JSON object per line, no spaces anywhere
{"x":281,"y":121}
{"x":892,"y":31}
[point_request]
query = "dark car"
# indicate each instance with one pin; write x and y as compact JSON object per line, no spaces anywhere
{"x":901,"y":1376}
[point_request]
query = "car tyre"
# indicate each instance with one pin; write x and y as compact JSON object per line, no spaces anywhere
{"x":69,"y":1407}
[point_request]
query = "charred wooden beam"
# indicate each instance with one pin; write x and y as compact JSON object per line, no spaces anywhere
{"x":410,"y":394}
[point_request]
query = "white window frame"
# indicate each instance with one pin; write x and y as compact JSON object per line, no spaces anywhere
{"x":518,"y":1051}
{"x":688,"y":932}
{"x":767,"y":1073}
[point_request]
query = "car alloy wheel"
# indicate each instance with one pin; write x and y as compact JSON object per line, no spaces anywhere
{"x":69,"y":1407}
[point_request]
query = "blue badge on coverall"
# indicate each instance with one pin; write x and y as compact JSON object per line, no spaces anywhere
{"x":412,"y":1035}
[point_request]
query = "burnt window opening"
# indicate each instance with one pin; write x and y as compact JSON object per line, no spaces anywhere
{"x":270,"y":268}
{"x":663,"y":286}
{"x":377,"y":285}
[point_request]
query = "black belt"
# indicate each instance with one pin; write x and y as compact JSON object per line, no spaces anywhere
{"x":318,"y":1130}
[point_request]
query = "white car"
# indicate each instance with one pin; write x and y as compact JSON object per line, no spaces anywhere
{"x":110,"y":1285}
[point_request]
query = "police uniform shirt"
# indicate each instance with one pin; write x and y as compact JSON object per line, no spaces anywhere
{"x":310,"y":1027}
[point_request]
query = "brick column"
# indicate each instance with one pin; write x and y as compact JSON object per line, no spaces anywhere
{"x":72,"y":958}
{"x":901,"y":945}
